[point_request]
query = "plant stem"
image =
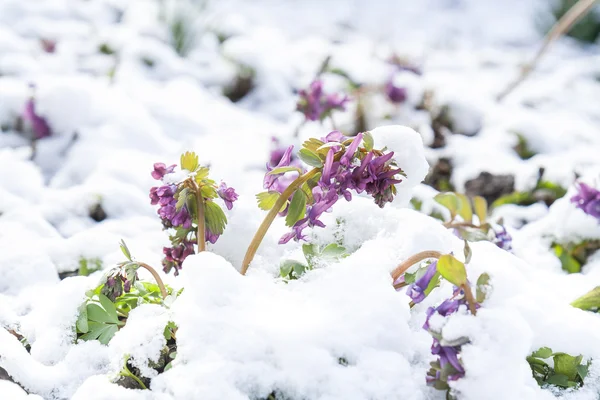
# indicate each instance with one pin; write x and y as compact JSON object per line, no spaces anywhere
{"x":470,"y":298}
{"x":403,"y":266}
{"x":262,"y":229}
{"x":460,"y":225}
{"x":157,"y":278}
{"x":200,"y":235}
{"x":570,"y":18}
{"x":127,"y":372}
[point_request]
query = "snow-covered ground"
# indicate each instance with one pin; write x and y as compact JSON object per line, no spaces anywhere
{"x":118,"y":98}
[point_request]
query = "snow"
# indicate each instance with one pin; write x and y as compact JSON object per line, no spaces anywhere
{"x":242,"y":337}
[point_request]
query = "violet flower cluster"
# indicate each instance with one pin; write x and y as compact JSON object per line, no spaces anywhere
{"x":447,"y":367}
{"x":502,"y":238}
{"x":395,"y":94}
{"x":174,"y":201}
{"x":587,"y":199}
{"x":344,"y":169}
{"x":416,"y":291}
{"x":36,"y":124}
{"x":119,"y":280}
{"x":316,"y":105}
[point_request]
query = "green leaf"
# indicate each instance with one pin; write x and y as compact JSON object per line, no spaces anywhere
{"x":214,"y":217}
{"x":310,"y":158}
{"x":468,"y":252}
{"x":333,"y":251}
{"x":125,"y":250}
{"x":182,"y":198}
{"x":98,"y":314}
{"x":288,"y":266}
{"x":519,"y":198}
{"x":482,"y":286}
{"x":82,"y":319}
{"x":566,"y":364}
{"x":307,"y":192}
{"x":450,"y":201}
{"x":201,"y":174}
{"x":108,"y":306}
{"x":582,"y":371}
{"x":558,"y":380}
{"x":107,"y":333}
{"x":297,"y":208}
{"x":452,"y":270}
{"x":471,"y":234}
{"x":299,"y":269}
{"x":310,"y":251}
{"x":542,"y":352}
{"x":328,"y":146}
{"x":464,"y":209}
{"x":283,"y":170}
{"x":266,"y":200}
{"x":589,"y":301}
{"x":189,"y":161}
{"x":568,"y":262}
{"x":368,"y":141}
{"x":480,"y":205}
{"x":433,"y":283}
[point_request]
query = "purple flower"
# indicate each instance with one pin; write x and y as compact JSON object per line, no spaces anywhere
{"x":48,"y":45}
{"x":416,"y":291}
{"x":503,"y":239}
{"x":171,"y":217}
{"x":174,"y":256}
{"x":39,"y":126}
{"x":587,"y":199}
{"x":160,"y":170}
{"x":395,"y":94}
{"x":228,"y":195}
{"x":270,"y":180}
{"x":315,"y":105}
{"x":371,"y":172}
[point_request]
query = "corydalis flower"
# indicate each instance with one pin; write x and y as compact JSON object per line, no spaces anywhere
{"x":316,"y":105}
{"x":160,"y":170}
{"x":38,"y":125}
{"x":227,"y":194}
{"x":587,"y":199}
{"x":502,"y":238}
{"x":416,"y":291}
{"x":353,"y":168}
{"x":396,"y":94}
{"x":174,"y":256}
{"x":171,"y":217}
{"x":448,"y":366}
{"x":119,"y":281}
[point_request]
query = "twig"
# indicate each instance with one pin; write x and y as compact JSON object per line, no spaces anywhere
{"x":157,"y":278}
{"x":262,"y":229}
{"x":403,"y":266}
{"x":564,"y":24}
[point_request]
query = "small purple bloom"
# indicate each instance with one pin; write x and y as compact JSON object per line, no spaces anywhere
{"x":39,"y":126}
{"x":174,"y":256}
{"x":503,"y":239}
{"x":271,"y":179}
{"x":48,"y":45}
{"x":587,"y":199}
{"x":395,"y":94}
{"x":160,"y":170}
{"x":416,"y":291}
{"x":228,"y":195}
{"x":316,"y":105}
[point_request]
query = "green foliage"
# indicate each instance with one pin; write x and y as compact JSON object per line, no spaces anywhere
{"x":189,"y":161}
{"x":297,"y":208}
{"x":450,"y":201}
{"x":483,"y":287}
{"x":215,"y":217}
{"x":315,"y":256}
{"x":545,"y":191}
{"x":573,"y":256}
{"x":589,"y":301}
{"x":522,"y":148}
{"x":104,"y":48}
{"x":266,"y":200}
{"x":100,"y":318}
{"x":452,"y":270}
{"x":566,"y":371}
{"x":311,"y":158}
{"x":88,"y":266}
